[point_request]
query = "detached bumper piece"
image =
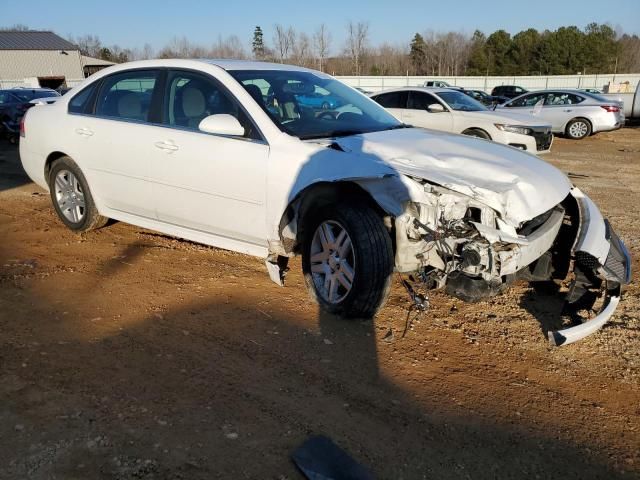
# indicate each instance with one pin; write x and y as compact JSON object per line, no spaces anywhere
{"x":616,"y":272}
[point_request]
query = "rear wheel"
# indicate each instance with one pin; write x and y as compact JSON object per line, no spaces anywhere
{"x":348,"y":260}
{"x":71,"y":197}
{"x":578,"y":128}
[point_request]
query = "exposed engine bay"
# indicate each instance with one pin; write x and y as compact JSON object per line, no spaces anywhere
{"x":459,"y":244}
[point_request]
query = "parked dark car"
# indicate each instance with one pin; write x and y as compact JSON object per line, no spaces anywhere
{"x":509,"y":91}
{"x":484,"y":98}
{"x":14,"y":102}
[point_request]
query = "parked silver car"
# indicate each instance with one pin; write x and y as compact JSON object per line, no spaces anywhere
{"x":571,"y":112}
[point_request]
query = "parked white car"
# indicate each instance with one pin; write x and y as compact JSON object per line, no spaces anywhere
{"x":221,"y":152}
{"x":572,"y":113}
{"x":454,"y":111}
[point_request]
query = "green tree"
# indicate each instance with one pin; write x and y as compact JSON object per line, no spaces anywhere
{"x":600,"y":42}
{"x":105,"y":54}
{"x":418,"y":54}
{"x":258,"y":43}
{"x":498,"y":46}
{"x":478,"y":63}
{"x":524,"y":50}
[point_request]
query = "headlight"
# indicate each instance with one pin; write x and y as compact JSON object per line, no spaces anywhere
{"x":513,"y":129}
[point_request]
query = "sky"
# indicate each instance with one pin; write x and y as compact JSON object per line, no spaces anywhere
{"x":132,"y":23}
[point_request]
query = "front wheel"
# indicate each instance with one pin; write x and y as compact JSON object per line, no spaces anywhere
{"x":348,"y":260}
{"x":476,"y":132}
{"x":578,"y":128}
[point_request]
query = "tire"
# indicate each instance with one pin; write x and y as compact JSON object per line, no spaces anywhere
{"x":474,"y":132}
{"x":578,"y":128}
{"x":72,"y":198}
{"x":366,"y":264}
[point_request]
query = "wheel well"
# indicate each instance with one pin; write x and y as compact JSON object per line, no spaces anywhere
{"x":317,"y":196}
{"x":50,"y":159}
{"x":476,"y":129}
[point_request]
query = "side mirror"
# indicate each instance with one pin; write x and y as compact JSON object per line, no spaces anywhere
{"x":435,"y":108}
{"x":221,"y":124}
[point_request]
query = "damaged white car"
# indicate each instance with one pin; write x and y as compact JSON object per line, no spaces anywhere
{"x":235,"y":155}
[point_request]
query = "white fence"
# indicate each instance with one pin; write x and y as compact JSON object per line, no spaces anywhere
{"x":375,"y":84}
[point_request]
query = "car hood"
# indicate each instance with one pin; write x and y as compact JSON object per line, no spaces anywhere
{"x":507,"y":118}
{"x":518,"y":185}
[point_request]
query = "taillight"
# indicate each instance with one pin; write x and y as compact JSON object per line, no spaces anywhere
{"x":610,"y":108}
{"x":22,"y":130}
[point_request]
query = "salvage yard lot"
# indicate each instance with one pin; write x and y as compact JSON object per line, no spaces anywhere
{"x":128,"y":354}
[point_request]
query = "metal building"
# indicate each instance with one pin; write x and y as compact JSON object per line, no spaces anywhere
{"x":38,"y":58}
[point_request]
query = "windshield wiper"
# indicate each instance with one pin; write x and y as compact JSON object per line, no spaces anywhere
{"x":332,"y":134}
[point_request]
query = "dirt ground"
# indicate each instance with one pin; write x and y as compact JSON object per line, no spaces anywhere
{"x":125,"y":354}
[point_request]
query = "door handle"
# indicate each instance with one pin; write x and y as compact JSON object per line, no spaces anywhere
{"x":85,"y":132}
{"x":568,"y":110}
{"x":167,"y":146}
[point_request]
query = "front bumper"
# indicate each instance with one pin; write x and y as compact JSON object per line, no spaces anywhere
{"x":599,"y":249}
{"x":538,"y":141}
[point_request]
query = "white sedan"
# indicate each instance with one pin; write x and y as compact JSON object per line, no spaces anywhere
{"x":224,"y":153}
{"x":453,"y":111}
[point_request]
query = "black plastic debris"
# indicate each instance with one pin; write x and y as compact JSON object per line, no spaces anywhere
{"x":318,"y":458}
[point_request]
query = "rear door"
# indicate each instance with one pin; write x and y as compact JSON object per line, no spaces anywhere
{"x":560,"y":107}
{"x":115,"y":141}
{"x":394,"y":102}
{"x":417,"y":112}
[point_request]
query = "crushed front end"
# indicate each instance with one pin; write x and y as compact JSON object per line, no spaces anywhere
{"x":456,"y":242}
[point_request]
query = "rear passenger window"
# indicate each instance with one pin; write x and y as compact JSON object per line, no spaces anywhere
{"x":127,"y":95}
{"x":562,"y":98}
{"x":80,"y":102}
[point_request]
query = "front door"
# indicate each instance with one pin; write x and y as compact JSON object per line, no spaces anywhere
{"x":209,"y":183}
{"x":418,"y":114}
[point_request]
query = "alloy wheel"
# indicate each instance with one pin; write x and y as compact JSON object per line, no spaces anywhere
{"x":69,"y":196}
{"x":332,"y":261}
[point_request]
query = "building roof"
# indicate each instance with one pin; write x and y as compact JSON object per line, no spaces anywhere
{"x":33,"y":40}
{"x":95,"y":62}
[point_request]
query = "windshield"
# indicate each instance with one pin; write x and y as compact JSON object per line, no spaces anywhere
{"x":460,"y":101}
{"x":309,"y":105}
{"x":28,"y":95}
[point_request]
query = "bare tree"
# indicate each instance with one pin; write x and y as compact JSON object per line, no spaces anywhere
{"x":89,"y":45}
{"x":231,"y":47}
{"x":147,"y":52}
{"x":18,"y":27}
{"x":301,"y":49}
{"x":358,"y":36}
{"x":283,"y":38}
{"x":321,"y":45}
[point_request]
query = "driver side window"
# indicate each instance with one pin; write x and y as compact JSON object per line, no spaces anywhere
{"x":191,"y":97}
{"x":420,"y":100}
